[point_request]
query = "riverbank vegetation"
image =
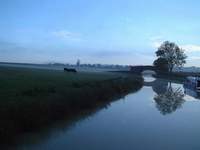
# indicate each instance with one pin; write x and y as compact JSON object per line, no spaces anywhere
{"x":31,"y":99}
{"x":176,"y":76}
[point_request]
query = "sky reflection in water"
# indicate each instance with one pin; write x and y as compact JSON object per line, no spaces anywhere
{"x":159,"y":116}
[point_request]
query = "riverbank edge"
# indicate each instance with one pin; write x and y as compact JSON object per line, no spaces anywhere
{"x":176,"y":76}
{"x":27,"y":117}
{"x":173,"y":76}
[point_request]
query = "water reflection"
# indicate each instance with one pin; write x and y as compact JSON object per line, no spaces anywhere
{"x":101,"y":128}
{"x":192,"y":93}
{"x":170,"y":95}
{"x":170,"y":100}
{"x":52,"y":131}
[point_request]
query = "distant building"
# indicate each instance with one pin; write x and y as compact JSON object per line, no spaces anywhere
{"x":78,"y":63}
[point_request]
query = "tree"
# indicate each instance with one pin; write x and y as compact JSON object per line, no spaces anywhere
{"x":161,"y":64}
{"x":174,"y":55}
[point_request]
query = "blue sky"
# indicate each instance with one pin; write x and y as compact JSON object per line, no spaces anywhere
{"x":103,"y":31}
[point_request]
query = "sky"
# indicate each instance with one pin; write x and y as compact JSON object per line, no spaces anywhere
{"x":97,"y":31}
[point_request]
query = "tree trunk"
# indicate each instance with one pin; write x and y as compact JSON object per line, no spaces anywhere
{"x":171,"y":68}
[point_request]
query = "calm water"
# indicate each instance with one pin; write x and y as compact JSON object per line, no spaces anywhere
{"x":161,"y":116}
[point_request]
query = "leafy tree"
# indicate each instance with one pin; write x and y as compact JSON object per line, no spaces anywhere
{"x":174,"y":55}
{"x":161,"y":64}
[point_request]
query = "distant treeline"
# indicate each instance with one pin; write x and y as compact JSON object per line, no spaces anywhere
{"x":92,"y":65}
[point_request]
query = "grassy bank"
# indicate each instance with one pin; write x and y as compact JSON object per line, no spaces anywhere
{"x":31,"y":99}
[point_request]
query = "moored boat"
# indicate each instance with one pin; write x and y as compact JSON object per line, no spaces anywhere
{"x":192,"y":83}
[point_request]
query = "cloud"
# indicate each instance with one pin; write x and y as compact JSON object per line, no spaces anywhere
{"x":191,"y":48}
{"x":67,"y":35}
{"x":158,"y":37}
{"x":4,"y":45}
{"x":156,"y":44}
{"x":194,"y":58}
{"x":156,"y":41}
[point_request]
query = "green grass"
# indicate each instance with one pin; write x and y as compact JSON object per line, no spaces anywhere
{"x":16,"y":80}
{"x":33,"y":98}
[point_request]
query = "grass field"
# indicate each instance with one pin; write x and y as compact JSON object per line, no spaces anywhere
{"x":34,"y":82}
{"x":33,"y":98}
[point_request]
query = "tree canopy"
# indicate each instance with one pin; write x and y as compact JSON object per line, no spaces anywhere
{"x":161,"y":64}
{"x":171,"y":55}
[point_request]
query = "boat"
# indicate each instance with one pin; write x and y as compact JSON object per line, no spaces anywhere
{"x":192,"y":83}
{"x":193,"y":93}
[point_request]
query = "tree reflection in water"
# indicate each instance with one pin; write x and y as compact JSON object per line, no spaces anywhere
{"x":169,"y":100}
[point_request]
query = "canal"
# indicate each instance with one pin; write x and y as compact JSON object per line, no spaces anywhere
{"x":161,"y":115}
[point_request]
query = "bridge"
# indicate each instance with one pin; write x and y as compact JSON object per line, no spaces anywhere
{"x":140,"y":69}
